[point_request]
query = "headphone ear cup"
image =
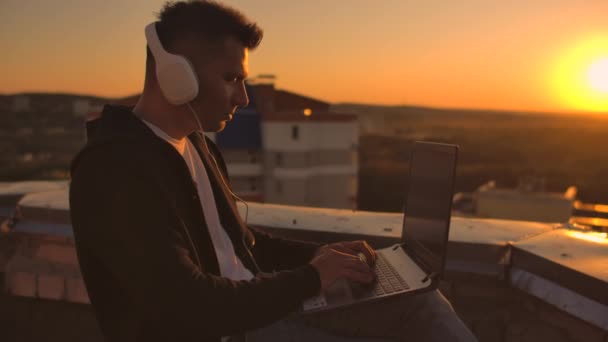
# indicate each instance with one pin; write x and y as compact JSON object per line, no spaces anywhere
{"x":176,"y":79}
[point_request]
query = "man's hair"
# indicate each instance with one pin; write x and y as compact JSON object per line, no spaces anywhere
{"x":205,"y":20}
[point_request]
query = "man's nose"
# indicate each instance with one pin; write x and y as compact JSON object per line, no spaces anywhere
{"x":242,"y":100}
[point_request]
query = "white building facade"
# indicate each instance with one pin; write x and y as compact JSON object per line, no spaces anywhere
{"x":311,"y":163}
{"x":295,"y":151}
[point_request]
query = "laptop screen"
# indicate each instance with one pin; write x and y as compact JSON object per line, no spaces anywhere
{"x":429,"y":202}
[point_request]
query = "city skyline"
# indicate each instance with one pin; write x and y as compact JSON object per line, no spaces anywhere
{"x":541,"y":56}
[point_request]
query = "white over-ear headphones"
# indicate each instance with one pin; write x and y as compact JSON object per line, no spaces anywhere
{"x":175,"y":74}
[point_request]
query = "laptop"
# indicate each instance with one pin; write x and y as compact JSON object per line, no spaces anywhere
{"x":415,"y":264}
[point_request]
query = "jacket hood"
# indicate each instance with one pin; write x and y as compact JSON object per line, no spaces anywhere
{"x":116,"y":123}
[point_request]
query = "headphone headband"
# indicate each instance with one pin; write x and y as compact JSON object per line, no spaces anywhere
{"x":153,"y":41}
{"x":175,"y":75}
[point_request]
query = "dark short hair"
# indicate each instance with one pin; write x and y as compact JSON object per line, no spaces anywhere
{"x":206,"y":20}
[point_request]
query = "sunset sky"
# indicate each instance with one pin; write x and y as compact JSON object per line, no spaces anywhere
{"x":538,"y":55}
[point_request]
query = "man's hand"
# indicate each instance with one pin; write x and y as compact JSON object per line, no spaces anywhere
{"x":351,"y":260}
{"x":333,"y":265}
{"x":353,"y":248}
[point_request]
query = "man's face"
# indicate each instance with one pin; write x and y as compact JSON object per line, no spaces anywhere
{"x":221,"y":76}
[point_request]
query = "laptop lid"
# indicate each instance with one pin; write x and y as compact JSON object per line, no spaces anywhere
{"x":428,"y":204}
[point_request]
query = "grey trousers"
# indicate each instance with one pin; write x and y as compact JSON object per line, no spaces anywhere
{"x":421,"y":317}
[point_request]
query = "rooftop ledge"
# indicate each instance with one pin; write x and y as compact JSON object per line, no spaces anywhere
{"x":562,"y":266}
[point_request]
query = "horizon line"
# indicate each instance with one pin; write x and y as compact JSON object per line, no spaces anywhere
{"x":419,"y":106}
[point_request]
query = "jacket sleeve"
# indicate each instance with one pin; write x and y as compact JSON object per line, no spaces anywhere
{"x":120,"y":218}
{"x":274,"y":254}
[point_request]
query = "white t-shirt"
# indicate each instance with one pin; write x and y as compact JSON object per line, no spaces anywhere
{"x":230,"y":265}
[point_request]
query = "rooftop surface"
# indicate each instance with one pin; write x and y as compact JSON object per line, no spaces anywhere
{"x":565,"y":267}
{"x":21,"y":188}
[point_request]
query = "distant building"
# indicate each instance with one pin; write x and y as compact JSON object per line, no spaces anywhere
{"x":290,"y":149}
{"x":373,"y":124}
{"x":82,"y":107}
{"x":528,"y":202}
{"x":311,"y":161}
{"x":21,"y":103}
{"x":242,"y":148}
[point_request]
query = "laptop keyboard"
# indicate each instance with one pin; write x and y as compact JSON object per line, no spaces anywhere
{"x":389,"y":281}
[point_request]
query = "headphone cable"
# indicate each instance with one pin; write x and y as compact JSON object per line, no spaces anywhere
{"x":227,"y":187}
{"x":215,"y":162}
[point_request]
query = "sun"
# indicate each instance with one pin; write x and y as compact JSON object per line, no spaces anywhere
{"x":581,"y":76}
{"x":597,"y":76}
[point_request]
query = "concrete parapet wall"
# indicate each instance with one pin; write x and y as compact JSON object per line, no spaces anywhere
{"x":496,"y":311}
{"x":43,"y":284}
{"x":45,"y":271}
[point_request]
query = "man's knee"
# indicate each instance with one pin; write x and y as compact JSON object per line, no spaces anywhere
{"x":440,"y":315}
{"x":431,"y":301}
{"x":439,"y":300}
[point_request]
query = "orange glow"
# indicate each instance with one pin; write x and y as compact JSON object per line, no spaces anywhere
{"x":589,"y":236}
{"x":591,"y":207}
{"x":600,"y":207}
{"x":582,"y":76}
{"x":436,"y":53}
{"x":307,"y":112}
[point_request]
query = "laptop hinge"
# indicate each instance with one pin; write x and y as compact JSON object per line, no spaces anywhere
{"x":426,"y":268}
{"x":432,"y":276}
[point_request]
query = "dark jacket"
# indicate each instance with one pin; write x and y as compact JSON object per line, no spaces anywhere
{"x":145,"y":251}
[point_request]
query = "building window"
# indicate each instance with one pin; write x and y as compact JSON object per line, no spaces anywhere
{"x":279,"y":159}
{"x":295,"y":132}
{"x":252,"y":184}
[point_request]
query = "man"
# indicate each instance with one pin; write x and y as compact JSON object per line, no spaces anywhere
{"x":163,"y":251}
